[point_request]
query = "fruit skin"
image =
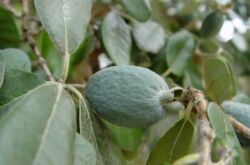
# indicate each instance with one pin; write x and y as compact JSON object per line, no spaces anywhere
{"x":241,"y":112}
{"x":128,"y":96}
{"x":211,"y":25}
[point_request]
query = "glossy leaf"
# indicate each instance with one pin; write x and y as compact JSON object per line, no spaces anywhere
{"x":53,"y":57}
{"x":84,"y":153}
{"x":16,"y":83}
{"x":137,"y":9}
{"x":16,"y":59}
{"x":180,"y":49}
{"x":128,"y":139}
{"x":2,"y":70}
{"x":116,"y":38}
{"x":149,"y":36}
{"x":225,"y":132}
{"x":219,"y":83}
{"x":37,"y":126}
{"x":9,"y":33}
{"x":66,"y":21}
{"x":173,"y":145}
{"x":93,"y":131}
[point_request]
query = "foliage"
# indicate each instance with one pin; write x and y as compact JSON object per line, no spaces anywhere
{"x":49,"y":49}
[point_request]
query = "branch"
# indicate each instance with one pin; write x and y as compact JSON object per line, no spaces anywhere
{"x":7,"y":5}
{"x":31,"y":41}
{"x":205,"y":132}
{"x":239,"y":127}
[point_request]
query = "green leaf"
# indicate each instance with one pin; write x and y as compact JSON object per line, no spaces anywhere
{"x":86,"y":128}
{"x":128,"y":139}
{"x":218,"y":77}
{"x":16,"y":83}
{"x":66,"y":21}
{"x":211,"y":25}
{"x":149,"y":36}
{"x":225,"y":132}
{"x":39,"y":128}
{"x":180,"y":49}
{"x":159,"y":62}
{"x":53,"y":57}
{"x":174,"y":144}
{"x":94,"y":131}
{"x":193,"y":76}
{"x":9,"y":33}
{"x":137,"y":9}
{"x":116,"y":38}
{"x":2,"y":69}
{"x":188,"y":159}
{"x":16,"y":59}
{"x":85,"y":49}
{"x":84,"y":153}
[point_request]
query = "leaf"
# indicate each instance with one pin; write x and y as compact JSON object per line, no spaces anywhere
{"x":128,"y":139}
{"x":53,"y":57}
{"x":224,"y":132}
{"x":16,"y":83}
{"x":218,"y":77}
{"x":137,"y":9}
{"x":173,"y":145}
{"x":188,"y":159}
{"x":83,"y":151}
{"x":85,"y":49}
{"x":93,"y":131}
{"x":149,"y":36}
{"x":180,"y":49}
{"x":66,"y":21}
{"x":37,"y":126}
{"x":9,"y":33}
{"x":116,"y":38}
{"x":86,"y":127}
{"x":16,"y":59}
{"x":2,"y":69}
{"x":193,"y":76}
{"x":211,"y":25}
{"x":159,"y":63}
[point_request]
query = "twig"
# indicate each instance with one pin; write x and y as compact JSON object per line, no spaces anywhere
{"x":239,"y":127}
{"x":166,"y":73}
{"x":6,"y":4}
{"x":29,"y":38}
{"x":206,"y":133}
{"x":79,"y":86}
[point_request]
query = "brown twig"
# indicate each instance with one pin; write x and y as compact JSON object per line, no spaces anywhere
{"x":239,"y":127}
{"x":206,"y":133}
{"x":29,"y":38}
{"x":7,"y":5}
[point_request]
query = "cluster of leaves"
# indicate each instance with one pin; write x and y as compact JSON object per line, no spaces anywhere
{"x":44,"y":122}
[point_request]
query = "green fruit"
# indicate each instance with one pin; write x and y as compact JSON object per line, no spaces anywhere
{"x":211,"y":25}
{"x":241,"y":112}
{"x":128,"y":96}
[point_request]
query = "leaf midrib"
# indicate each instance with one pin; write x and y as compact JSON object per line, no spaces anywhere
{"x":45,"y":132}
